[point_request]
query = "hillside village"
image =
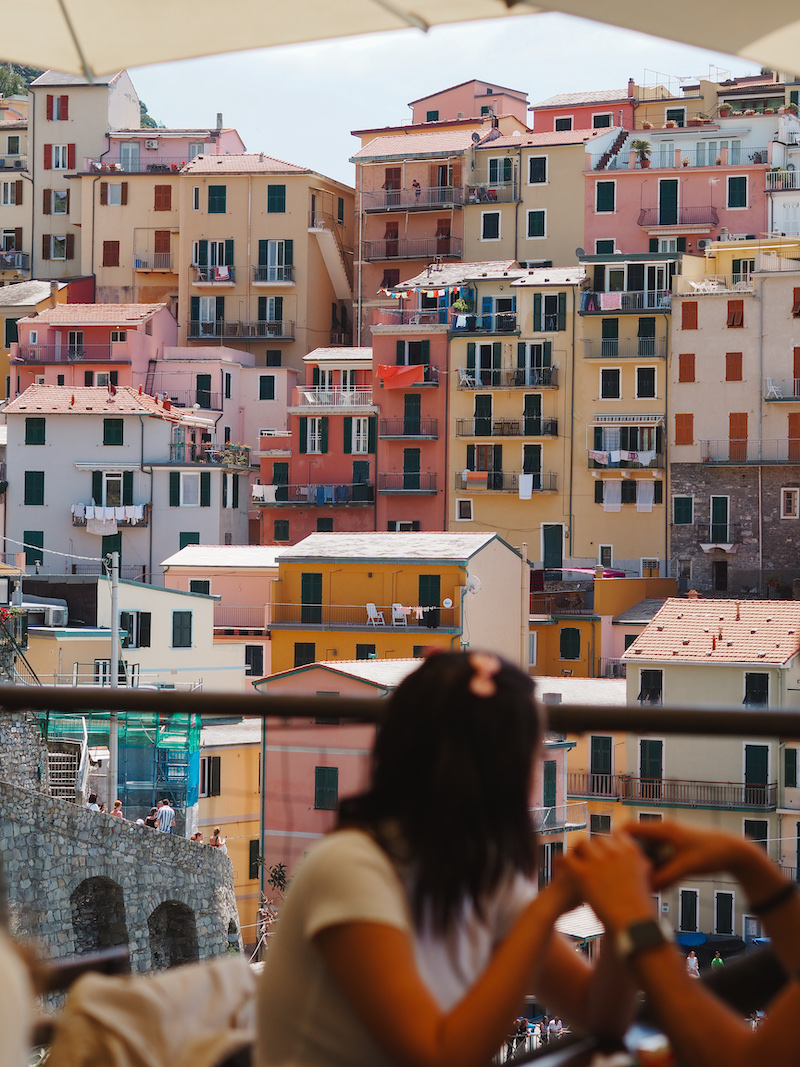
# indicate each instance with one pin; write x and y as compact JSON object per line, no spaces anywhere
{"x":531,"y":384}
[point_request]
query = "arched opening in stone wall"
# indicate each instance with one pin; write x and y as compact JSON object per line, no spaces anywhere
{"x":173,"y":935}
{"x":98,"y":915}
{"x":233,"y":936}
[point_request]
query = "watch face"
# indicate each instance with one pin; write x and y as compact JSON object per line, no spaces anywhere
{"x":639,"y":937}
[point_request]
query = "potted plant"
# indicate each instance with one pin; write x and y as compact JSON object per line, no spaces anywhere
{"x":750,"y":111}
{"x":647,"y":125}
{"x":670,"y":124}
{"x":736,"y":114}
{"x":724,"y":110}
{"x":461,"y":305}
{"x":642,"y":150}
{"x":686,"y":161}
{"x":791,"y":108}
{"x":696,"y":121}
{"x":718,"y":162}
{"x":769,"y":110}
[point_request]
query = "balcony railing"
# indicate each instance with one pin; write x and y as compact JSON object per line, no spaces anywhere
{"x":411,"y":427}
{"x":750,"y":451}
{"x":69,"y":353}
{"x":128,"y":515}
{"x":152,"y":261}
{"x":225,"y":456}
{"x":524,"y":378}
{"x":573,"y":816}
{"x":573,"y":602}
{"x":411,"y":317}
{"x":314,"y":495}
{"x":187,"y":398}
{"x":527,"y":426}
{"x":214,"y":275}
{"x":503,"y":481}
{"x":648,"y":347}
{"x":337,"y":616}
{"x":331,"y":398}
{"x":718,"y":533}
{"x":782,"y":389}
{"x":502,"y":322}
{"x":492,"y":193}
{"x":149,"y":162}
{"x":430,"y":196}
{"x":15,"y":261}
{"x":269,"y":331}
{"x":682,"y":793}
{"x":604,"y":303}
{"x":264,"y":275}
{"x":601,"y":460}
{"x":232,"y":617}
{"x":413,"y":248}
{"x":407,"y":482}
{"x":696,"y":155}
{"x":685,"y":216}
{"x":778,"y":180}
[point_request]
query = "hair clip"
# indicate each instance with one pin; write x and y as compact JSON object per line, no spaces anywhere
{"x":485,"y":666}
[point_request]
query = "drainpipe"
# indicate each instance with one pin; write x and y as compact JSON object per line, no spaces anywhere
{"x":667,"y":479}
{"x":760,"y":434}
{"x":572,"y":430}
{"x":525,"y":583}
{"x":360,"y":250}
{"x":150,"y":524}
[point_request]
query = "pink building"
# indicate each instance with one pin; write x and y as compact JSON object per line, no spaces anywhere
{"x":470,"y":100}
{"x":600,"y":109}
{"x":162,"y":151}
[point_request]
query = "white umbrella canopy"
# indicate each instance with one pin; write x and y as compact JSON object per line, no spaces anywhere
{"x":91,"y":37}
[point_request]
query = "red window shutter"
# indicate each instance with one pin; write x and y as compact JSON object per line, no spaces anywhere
{"x":70,"y":246}
{"x":124,"y":193}
{"x":735,"y":313}
{"x":48,"y":157}
{"x":794,"y":437}
{"x":49,"y":108}
{"x":684,"y":429}
{"x":46,"y":196}
{"x":64,"y":108}
{"x":161,"y":242}
{"x":110,"y":253}
{"x":71,"y":156}
{"x":733,"y":366}
{"x":163,"y":201}
{"x":103,"y":193}
{"x":18,"y":193}
{"x":737,"y":436}
{"x":45,"y":246}
{"x":18,"y":239}
{"x":689,"y":315}
{"x":686,"y":367}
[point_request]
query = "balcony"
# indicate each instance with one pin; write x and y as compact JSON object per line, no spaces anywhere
{"x":750,"y":451}
{"x":149,"y":162}
{"x":14,"y":163}
{"x":413,"y":248}
{"x":620,"y":302}
{"x":503,"y":481}
{"x":411,"y":317}
{"x":653,"y":217}
{"x":331,"y":398}
{"x":236,"y":619}
{"x":415,"y":482}
{"x":712,"y":284}
{"x":128,"y":515}
{"x":681,"y":157}
{"x":673,"y":791}
{"x":351,"y":493}
{"x":355,"y":616}
{"x":717,"y":534}
{"x":601,"y":460}
{"x":263,"y":275}
{"x":502,"y":322}
{"x":214,"y":275}
{"x":524,"y":427}
{"x":638,"y":347}
{"x":785,"y":389}
{"x":409,"y":429}
{"x":523,"y":378}
{"x":225,"y":456}
{"x":145,"y":261}
{"x":561,"y":817}
{"x":783,"y":180}
{"x":187,"y":398}
{"x":571,"y":602}
{"x":493,"y":193}
{"x":425,"y":198}
{"x":64,"y":353}
{"x":266,"y":331}
{"x":15,"y":260}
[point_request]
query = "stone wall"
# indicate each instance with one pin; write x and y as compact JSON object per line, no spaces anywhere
{"x":23,"y":753}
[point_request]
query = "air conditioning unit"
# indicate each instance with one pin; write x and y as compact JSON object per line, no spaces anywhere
{"x":19,"y":164}
{"x":55,"y":616}
{"x":151,"y":144}
{"x":703,"y":243}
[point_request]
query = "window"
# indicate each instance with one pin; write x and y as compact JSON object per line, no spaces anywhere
{"x":562,"y":124}
{"x":12,"y":145}
{"x":58,"y":247}
{"x":790,"y":768}
{"x":599,"y":824}
{"x":610,"y":383}
{"x":57,"y":108}
{"x":324,"y":525}
{"x":280,"y":530}
{"x":676,"y":115}
{"x":11,"y":193}
{"x":645,"y":382}
{"x":601,"y":122}
{"x":34,"y":488}
{"x":790,"y":503}
{"x":254,"y":860}
{"x":217,"y":199}
{"x":756,"y":690}
{"x":682,"y":510}
{"x":686,"y":367}
{"x":163,"y":198}
{"x":276,"y":199}
{"x":189,"y":489}
{"x":688,"y":910}
{"x":340,"y":210}
{"x":200,"y":585}
{"x":689,"y":315}
{"x":304,"y":652}
{"x":195,"y":198}
{"x":684,"y":429}
{"x":537,"y":223}
{"x":723,"y":913}
{"x":210,"y":776}
{"x":537,"y":170}
{"x":737,"y":191}
{"x":254,"y":660}
{"x":391,"y":277}
{"x":359,"y":440}
{"x":570,"y":642}
{"x":464,"y":510}
{"x":188,"y":537}
{"x":757,"y":830}
{"x":651,"y":688}
{"x":490,"y":225}
{"x":181,"y":629}
{"x":35,"y":431}
{"x":135,"y":627}
{"x":326,"y":788}
{"x":113,"y":431}
{"x":604,"y":247}
{"x":316,"y":434}
{"x":60,"y":157}
{"x":605,"y":197}
{"x":34,"y":544}
{"x":117,"y":194}
{"x":735,"y":314}
{"x":500,"y":170}
{"x":266,"y":387}
{"x":733,"y":366}
{"x":110,"y":253}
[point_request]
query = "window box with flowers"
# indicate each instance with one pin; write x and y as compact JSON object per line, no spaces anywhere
{"x":13,"y":632}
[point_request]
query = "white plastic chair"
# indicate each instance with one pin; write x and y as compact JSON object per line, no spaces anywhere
{"x":774,"y":392}
{"x":465,"y":378}
{"x":374,"y":617}
{"x":399,"y":617}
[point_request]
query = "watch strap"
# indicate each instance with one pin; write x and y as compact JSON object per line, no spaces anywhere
{"x":640,"y":937}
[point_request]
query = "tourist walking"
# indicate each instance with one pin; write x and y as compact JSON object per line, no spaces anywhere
{"x":166,"y":817}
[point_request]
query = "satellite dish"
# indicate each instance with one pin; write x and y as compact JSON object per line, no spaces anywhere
{"x":476,"y":137}
{"x":446,"y":603}
{"x":472,"y":584}
{"x":579,"y":251}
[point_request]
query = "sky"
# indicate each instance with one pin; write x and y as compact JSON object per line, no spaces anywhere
{"x":300,"y":103}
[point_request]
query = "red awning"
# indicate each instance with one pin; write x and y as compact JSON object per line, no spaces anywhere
{"x":402,"y":376}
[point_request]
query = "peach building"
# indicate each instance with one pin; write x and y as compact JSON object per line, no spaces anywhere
{"x":19,"y":300}
{"x":16,"y":191}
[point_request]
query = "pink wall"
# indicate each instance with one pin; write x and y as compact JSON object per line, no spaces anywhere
{"x":468,"y":99}
{"x":544,"y":121}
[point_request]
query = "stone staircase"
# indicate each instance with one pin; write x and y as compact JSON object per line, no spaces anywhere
{"x":609,"y":154}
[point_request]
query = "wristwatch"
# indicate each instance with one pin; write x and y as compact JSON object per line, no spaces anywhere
{"x":640,"y":937}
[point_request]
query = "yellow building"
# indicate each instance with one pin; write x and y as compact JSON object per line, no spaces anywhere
{"x":17,"y":301}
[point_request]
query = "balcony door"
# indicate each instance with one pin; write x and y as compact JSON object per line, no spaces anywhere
{"x":668,"y":202}
{"x":719,"y":520}
{"x":532,"y":414}
{"x":600,"y":752}
{"x":553,"y":549}
{"x":483,"y":414}
{"x":756,"y":768}
{"x":129,"y":156}
{"x":532,"y":464}
{"x":430,"y":593}
{"x":311,"y":598}
{"x":737,"y":434}
{"x":651,"y":768}
{"x":549,"y":784}
{"x":412,"y":407}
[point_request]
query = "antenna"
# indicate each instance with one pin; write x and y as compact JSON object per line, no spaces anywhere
{"x":475,"y":137}
{"x":472,"y":584}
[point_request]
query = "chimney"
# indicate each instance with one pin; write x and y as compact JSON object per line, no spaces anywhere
{"x":692,"y":594}
{"x":631,"y":85}
{"x":219,"y":120}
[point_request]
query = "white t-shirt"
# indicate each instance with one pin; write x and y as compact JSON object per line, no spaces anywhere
{"x":16,"y":1008}
{"x":304,"y":1019}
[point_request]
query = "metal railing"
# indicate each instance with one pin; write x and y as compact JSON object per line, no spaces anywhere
{"x":152,"y":261}
{"x":413,"y":248}
{"x":426,"y":196}
{"x":572,"y":816}
{"x":14,"y":163}
{"x":527,"y":426}
{"x":187,"y":398}
{"x":717,"y":533}
{"x":504,"y":481}
{"x":149,"y":162}
{"x":501,"y":322}
{"x":679,"y":792}
{"x":333,"y":616}
{"x":129,"y":515}
{"x":263,"y":274}
{"x":783,"y":179}
{"x":678,"y":156}
{"x":222,"y":275}
{"x":709,"y":284}
{"x":654,"y":462}
{"x":411,"y":317}
{"x":492,"y":192}
{"x":574,"y":602}
{"x":331,"y":398}
{"x":523,"y":378}
{"x":782,"y":389}
{"x":407,"y":482}
{"x":750,"y":451}
{"x":282,"y":330}
{"x":647,"y":300}
{"x":647,"y":347}
{"x":69,"y":353}
{"x":225,"y":456}
{"x":410,"y":427}
{"x":685,"y":216}
{"x":15,"y":261}
{"x":316,"y":495}
{"x":230,"y":617}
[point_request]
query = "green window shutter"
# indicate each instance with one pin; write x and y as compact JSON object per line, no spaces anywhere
{"x":598,"y":491}
{"x":372,"y":433}
{"x":547,"y":353}
{"x":188,"y":538}
{"x":205,"y":489}
{"x":521,"y":354}
{"x":220,"y":308}
{"x":266,"y":387}
{"x":224,"y":490}
{"x":561,"y":323}
{"x":127,"y":487}
{"x":278,"y":305}
{"x":537,"y":312}
{"x":194,"y":309}
{"x":144,"y":629}
{"x":425,"y":352}
{"x":658,"y":492}
{"x":600,"y":755}
{"x":288,"y":253}
{"x":262,"y":309}
{"x":202,"y":253}
{"x":174,"y":489}
{"x":229,"y":252}
{"x":549,"y":783}
{"x":471,"y":356}
{"x":682,"y":510}
{"x":400,"y":353}
{"x":348,"y":434}
{"x":605,"y":196}
{"x":88,"y":378}
{"x":653,"y":244}
{"x":34,"y":488}
{"x":497,"y":355}
{"x":113,"y":431}
{"x":216,"y":199}
{"x":35,"y":431}
{"x":498,"y":459}
{"x":276,"y":199}
{"x":323,"y":435}
{"x":326,"y":788}
{"x":181,"y":629}
{"x":12,"y":333}
{"x":303,"y":434}
{"x":570,"y":643}
{"x":470,"y":457}
{"x":97,"y":487}
{"x":262,"y":253}
{"x":681,"y":244}
{"x":34,"y":543}
{"x":790,"y":768}
{"x":236,"y":490}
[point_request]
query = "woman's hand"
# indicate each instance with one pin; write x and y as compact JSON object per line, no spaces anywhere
{"x":614,"y":877}
{"x":690,"y":851}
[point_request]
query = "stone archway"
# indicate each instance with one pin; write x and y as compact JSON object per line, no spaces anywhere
{"x":98,"y":915}
{"x":173,"y":935}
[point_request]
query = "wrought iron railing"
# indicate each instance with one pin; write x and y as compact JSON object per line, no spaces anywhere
{"x":680,"y":792}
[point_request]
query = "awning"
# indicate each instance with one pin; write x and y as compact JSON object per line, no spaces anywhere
{"x":401,"y":377}
{"x":581,"y":923}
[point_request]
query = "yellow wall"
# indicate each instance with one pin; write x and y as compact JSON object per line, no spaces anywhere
{"x":612,"y":596}
{"x":548,"y":646}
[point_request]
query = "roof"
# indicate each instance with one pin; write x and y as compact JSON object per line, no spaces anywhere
{"x":609,"y":692}
{"x":57,"y":77}
{"x":592,"y":96}
{"x":243,"y":163}
{"x":552,"y":276}
{"x":446,"y":274}
{"x":218,"y":556}
{"x":96,"y":314}
{"x":381,"y":673}
{"x":761,"y":632}
{"x":643,"y":612}
{"x":247,"y":732}
{"x":21,"y":293}
{"x":403,"y":146}
{"x":580,"y":923}
{"x":85,"y":400}
{"x":337,"y":355}
{"x":390,"y":546}
{"x":542,"y":140}
{"x":471,"y":81}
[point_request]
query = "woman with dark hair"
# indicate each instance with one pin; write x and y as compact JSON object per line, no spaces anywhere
{"x":412,"y":933}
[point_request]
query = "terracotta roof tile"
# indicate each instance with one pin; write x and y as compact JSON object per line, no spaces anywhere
{"x":541,"y":140}
{"x":97,"y":314}
{"x":243,"y":163}
{"x":434,"y":143}
{"x":83,"y":400}
{"x":720,"y":631}
{"x":592,"y":96}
